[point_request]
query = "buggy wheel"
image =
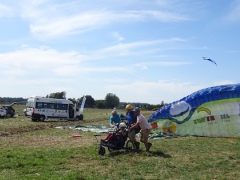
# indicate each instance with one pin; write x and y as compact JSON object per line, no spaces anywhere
{"x":101,"y":151}
{"x":130,"y":146}
{"x":110,"y":149}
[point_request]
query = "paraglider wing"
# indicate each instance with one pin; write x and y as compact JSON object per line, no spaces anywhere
{"x":213,"y":111}
{"x":208,"y":59}
{"x":83,"y":103}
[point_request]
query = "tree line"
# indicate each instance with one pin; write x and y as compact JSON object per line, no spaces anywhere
{"x":110,"y":101}
{"x":8,"y":100}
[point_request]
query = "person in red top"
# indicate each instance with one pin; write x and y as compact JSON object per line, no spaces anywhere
{"x":145,"y":128}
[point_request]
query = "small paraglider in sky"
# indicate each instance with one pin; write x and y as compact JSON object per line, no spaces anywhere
{"x":208,"y":59}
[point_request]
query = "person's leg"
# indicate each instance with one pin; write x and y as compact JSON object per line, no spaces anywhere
{"x":108,"y":137}
{"x":113,"y":137}
{"x":132,"y":137}
{"x":141,"y":136}
{"x":144,"y":138}
{"x":149,"y":144}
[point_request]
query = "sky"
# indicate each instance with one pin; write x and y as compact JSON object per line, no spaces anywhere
{"x":145,"y":51}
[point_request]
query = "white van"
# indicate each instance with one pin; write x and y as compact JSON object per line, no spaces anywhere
{"x":40,"y":108}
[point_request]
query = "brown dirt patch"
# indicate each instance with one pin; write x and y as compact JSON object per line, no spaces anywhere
{"x":12,"y":137}
{"x":44,"y":125}
{"x":44,"y":141}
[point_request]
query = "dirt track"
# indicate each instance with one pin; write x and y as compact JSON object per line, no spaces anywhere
{"x":43,"y":125}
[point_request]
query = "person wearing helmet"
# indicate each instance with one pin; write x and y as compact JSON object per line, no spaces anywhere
{"x":115,"y":119}
{"x":122,"y":130}
{"x":122,"y":134}
{"x":132,"y":119}
{"x":117,"y":138}
{"x":122,"y":125}
{"x":145,"y":128}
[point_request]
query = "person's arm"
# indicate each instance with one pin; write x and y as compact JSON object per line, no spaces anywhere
{"x":134,"y":125}
{"x":119,"y":118}
{"x":111,"y":123}
{"x":124,"y":133}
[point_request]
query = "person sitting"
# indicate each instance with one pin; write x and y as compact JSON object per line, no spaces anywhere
{"x":119,"y":137}
{"x":122,"y":132}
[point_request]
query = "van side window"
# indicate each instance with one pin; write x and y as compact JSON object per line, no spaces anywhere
{"x":50,"y":105}
{"x":61,"y":106}
{"x":45,"y":105}
{"x":39,"y":105}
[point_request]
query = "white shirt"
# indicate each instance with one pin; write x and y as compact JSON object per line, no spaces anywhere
{"x":143,"y":123}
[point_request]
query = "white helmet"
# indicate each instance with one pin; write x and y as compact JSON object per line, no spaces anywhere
{"x":122,"y":124}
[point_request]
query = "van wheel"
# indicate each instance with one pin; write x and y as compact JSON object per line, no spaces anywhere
{"x":41,"y":118}
{"x":81,"y":117}
{"x":8,"y":115}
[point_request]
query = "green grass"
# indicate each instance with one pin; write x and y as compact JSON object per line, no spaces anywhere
{"x":38,"y":150}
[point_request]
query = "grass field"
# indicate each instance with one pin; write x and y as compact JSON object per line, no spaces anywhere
{"x":38,"y":150}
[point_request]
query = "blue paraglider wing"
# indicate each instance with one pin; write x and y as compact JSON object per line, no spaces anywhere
{"x":213,"y":111}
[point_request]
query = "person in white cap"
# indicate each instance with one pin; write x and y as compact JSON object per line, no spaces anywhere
{"x":115,"y":119}
{"x":145,"y":128}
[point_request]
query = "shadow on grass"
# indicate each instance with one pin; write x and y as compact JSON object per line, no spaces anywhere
{"x":139,"y":153}
{"x":159,"y":153}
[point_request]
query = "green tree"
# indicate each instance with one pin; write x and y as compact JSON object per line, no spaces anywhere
{"x":89,"y":103}
{"x":111,"y":100}
{"x":57,"y":95}
{"x":73,"y":100}
{"x":100,"y":104}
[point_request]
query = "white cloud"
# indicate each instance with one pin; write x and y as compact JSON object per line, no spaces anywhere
{"x":224,"y":82}
{"x":5,"y":11}
{"x":13,"y":72}
{"x":118,"y":36}
{"x":124,"y":49}
{"x":30,"y":82}
{"x":86,"y":21}
{"x":155,"y":92}
{"x":234,"y":14}
{"x":145,"y":65}
{"x":36,"y":61}
{"x":73,"y":70}
{"x":164,"y":16}
{"x":49,"y":20}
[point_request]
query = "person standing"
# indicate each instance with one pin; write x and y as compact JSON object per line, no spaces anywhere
{"x":145,"y":128}
{"x":132,"y":119}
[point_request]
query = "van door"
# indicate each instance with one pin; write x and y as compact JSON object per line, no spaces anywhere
{"x":71,"y":111}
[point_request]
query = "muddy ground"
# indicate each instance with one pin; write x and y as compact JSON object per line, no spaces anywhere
{"x":12,"y":137}
{"x":45,"y":125}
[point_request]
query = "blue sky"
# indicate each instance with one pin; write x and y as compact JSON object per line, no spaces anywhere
{"x":142,"y":51}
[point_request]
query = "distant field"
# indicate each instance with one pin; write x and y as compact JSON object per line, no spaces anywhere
{"x":38,"y":150}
